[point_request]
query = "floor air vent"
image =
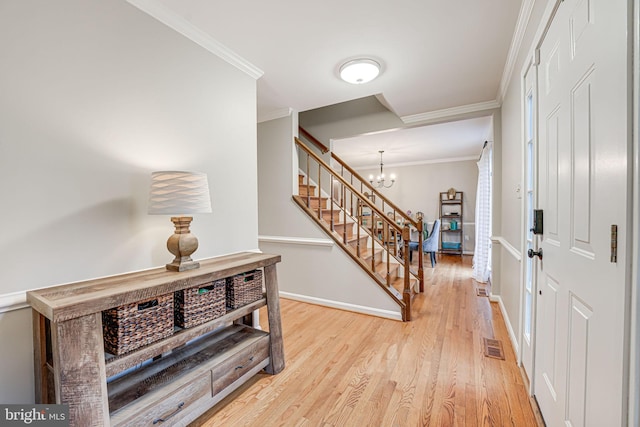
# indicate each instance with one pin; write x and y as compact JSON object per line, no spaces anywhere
{"x":482,"y":292}
{"x":493,"y":348}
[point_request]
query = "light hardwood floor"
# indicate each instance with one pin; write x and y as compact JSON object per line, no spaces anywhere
{"x":348,"y":369}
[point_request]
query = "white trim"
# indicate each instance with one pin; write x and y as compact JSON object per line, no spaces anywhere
{"x":178,"y":23}
{"x":387,"y":314}
{"x":634,"y":346}
{"x":13,"y":301}
{"x":18,"y":300}
{"x":508,"y":246}
{"x":516,"y":43}
{"x":296,"y":240}
{"x":449,"y":112}
{"x":422,"y":162}
{"x":507,"y":322}
{"x":278,"y":113}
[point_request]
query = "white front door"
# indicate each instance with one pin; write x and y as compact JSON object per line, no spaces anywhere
{"x":581,"y":314}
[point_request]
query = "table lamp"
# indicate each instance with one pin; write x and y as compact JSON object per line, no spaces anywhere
{"x":178,"y":194}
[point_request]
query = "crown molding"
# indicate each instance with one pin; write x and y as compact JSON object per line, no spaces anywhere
{"x":450,"y":112}
{"x":516,"y":43}
{"x":193,"y":33}
{"x":420,"y":163}
{"x":274,"y":114}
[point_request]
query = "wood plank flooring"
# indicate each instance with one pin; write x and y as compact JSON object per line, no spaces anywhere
{"x":348,"y":369}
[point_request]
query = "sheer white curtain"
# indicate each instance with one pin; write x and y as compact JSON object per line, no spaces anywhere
{"x":482,"y":251}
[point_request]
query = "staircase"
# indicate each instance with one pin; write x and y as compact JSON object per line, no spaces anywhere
{"x":375,"y":240}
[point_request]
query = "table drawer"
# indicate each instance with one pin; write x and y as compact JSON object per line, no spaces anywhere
{"x":235,"y":367}
{"x":165,"y":409}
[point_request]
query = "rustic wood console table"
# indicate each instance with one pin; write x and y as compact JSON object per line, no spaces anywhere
{"x":168,"y":382}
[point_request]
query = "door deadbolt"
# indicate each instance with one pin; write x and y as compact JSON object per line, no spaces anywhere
{"x":531,"y":253}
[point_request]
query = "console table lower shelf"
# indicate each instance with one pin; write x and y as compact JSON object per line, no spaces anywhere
{"x":183,"y":385}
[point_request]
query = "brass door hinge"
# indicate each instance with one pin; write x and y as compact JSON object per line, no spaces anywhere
{"x":614,"y":243}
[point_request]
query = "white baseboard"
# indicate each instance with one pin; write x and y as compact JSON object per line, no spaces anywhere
{"x":387,"y":314}
{"x":505,"y":316}
{"x":13,"y":301}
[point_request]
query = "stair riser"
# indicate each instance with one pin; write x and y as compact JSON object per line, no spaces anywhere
{"x":326,"y":215}
{"x":303,"y":190}
{"x":394,"y":268}
{"x":378,"y":258}
{"x":340,"y":228}
{"x":363,"y":243}
{"x":315,"y":203}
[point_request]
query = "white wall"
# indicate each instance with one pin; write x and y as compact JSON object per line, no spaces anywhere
{"x":313,"y":268}
{"x":507,"y":275}
{"x":349,"y":118}
{"x":95,"y":96}
{"x":418,"y":189}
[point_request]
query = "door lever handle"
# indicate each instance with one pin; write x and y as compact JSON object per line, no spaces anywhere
{"x":531,"y":253}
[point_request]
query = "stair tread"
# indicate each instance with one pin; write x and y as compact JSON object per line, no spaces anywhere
{"x":355,"y":238}
{"x":382,"y":267}
{"x":336,"y":224}
{"x":398,"y":285}
{"x":361,"y":250}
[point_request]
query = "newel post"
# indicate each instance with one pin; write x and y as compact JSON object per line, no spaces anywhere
{"x":406,"y":292}
{"x":420,"y":253}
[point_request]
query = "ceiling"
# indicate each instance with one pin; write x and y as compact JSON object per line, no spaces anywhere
{"x":451,"y":141}
{"x":437,"y":56}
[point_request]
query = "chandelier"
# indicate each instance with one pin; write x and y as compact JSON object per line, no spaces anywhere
{"x":380,"y":178}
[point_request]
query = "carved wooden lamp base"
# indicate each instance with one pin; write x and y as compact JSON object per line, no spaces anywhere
{"x":182,"y":244}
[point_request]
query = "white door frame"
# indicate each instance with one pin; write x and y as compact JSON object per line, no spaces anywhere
{"x":633,"y":326}
{"x":634,"y":345}
{"x":529,"y":67}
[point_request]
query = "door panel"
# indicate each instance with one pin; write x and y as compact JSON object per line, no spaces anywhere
{"x":549,"y":151}
{"x":546,"y":363}
{"x":582,"y":179}
{"x":583,"y":176}
{"x":578,"y":354}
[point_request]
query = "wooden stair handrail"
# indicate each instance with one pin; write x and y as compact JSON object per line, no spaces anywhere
{"x":323,"y":148}
{"x":387,"y":223}
{"x":406,"y":217}
{"x":408,"y":220}
{"x":418,"y":224}
{"x":406,"y":316}
{"x":341,"y":179}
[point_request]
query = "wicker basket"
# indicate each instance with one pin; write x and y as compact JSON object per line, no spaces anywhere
{"x":243,"y":289}
{"x":194,"y":306}
{"x":130,"y":326}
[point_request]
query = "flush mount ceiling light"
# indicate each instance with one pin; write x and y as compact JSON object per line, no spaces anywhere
{"x":359,"y":71}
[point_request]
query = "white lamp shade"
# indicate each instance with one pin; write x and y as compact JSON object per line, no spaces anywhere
{"x":179,"y":193}
{"x":359,"y":71}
